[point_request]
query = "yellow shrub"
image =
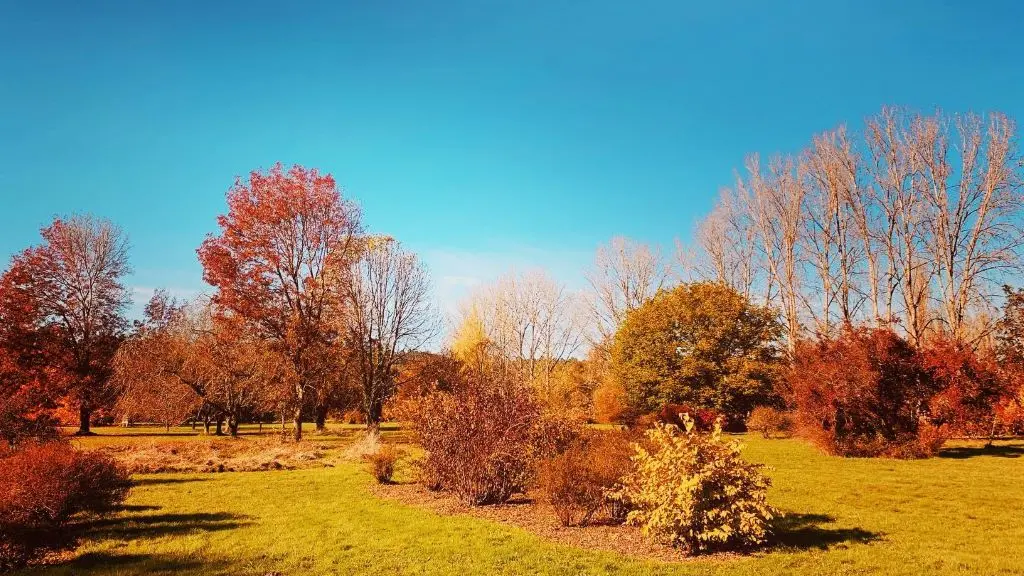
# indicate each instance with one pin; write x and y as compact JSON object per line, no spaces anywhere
{"x":693,"y":490}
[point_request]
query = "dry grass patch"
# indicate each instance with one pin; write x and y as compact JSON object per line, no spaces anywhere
{"x":220,"y":455}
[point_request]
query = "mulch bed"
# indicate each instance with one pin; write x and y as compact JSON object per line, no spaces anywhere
{"x":537,"y":518}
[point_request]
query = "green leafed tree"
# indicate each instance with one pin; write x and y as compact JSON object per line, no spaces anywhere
{"x":702,"y":344}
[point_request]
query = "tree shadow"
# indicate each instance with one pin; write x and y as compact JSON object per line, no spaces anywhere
{"x":965,"y":452}
{"x":156,"y":481}
{"x":134,"y":508}
{"x":154,"y":564}
{"x":807,"y":531}
{"x":137,"y":526}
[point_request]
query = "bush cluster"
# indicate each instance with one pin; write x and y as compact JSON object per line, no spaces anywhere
{"x":864,"y":392}
{"x":703,"y":419}
{"x":42,"y":486}
{"x":577,"y":482}
{"x":770,"y":422}
{"x":692,"y":490}
{"x":481,"y":438}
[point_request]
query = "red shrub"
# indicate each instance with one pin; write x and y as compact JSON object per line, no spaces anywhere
{"x":42,"y":486}
{"x":703,"y":418}
{"x":480,"y":439}
{"x":862,"y":393}
{"x":970,"y":385}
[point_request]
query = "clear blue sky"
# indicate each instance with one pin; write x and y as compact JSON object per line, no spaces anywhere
{"x":483,"y":134}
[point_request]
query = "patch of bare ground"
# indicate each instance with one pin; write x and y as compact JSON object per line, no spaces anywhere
{"x":220,"y":455}
{"x":538,"y":518}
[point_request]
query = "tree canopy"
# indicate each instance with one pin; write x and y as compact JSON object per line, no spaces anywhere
{"x":702,"y":344}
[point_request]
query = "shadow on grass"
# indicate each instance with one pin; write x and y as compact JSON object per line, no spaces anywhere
{"x":134,"y":527}
{"x":807,"y":531}
{"x":157,"y":481}
{"x":157,"y":564}
{"x":134,"y":508}
{"x":965,"y":452}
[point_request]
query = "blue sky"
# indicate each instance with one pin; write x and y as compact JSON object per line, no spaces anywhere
{"x":483,"y":134}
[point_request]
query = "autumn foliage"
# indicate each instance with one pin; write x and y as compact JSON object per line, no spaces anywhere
{"x":863,"y":393}
{"x":285,"y":241}
{"x":42,"y":486}
{"x":479,"y":438}
{"x":577,"y":482}
{"x":701,"y":344}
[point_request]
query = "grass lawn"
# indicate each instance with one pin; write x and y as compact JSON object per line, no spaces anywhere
{"x":962,"y":513}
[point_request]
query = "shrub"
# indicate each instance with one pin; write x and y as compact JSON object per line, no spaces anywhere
{"x":577,"y":482}
{"x":610,"y":403}
{"x":480,"y":438}
{"x":862,"y":393}
{"x":970,"y":383}
{"x":693,"y":491}
{"x":770,"y":422}
{"x":382,"y":462}
{"x":703,"y":419}
{"x":41,"y":487}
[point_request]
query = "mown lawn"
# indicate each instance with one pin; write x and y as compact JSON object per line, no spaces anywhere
{"x":962,"y":513}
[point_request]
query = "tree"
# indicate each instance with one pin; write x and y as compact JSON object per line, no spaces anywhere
{"x":196,"y":360}
{"x":701,"y":344}
{"x":913,"y":223}
{"x":69,"y":294}
{"x":529,"y":321}
{"x":275,"y":264}
{"x":727,"y":239}
{"x":388,"y":316}
{"x":625,"y":274}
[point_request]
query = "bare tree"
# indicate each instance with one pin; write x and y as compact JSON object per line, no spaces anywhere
{"x":972,"y":193}
{"x":388,"y":316}
{"x":916,"y":224}
{"x":532,"y":322}
{"x":727,"y":239}
{"x":778,"y":199}
{"x":829,"y":174}
{"x":624,"y":275}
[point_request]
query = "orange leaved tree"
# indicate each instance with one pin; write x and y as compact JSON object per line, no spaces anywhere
{"x":67,"y":295}
{"x":287,"y":236}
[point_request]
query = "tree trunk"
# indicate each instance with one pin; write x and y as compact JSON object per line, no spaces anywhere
{"x":206,"y":425}
{"x":220,"y":426}
{"x":84,"y":413}
{"x":297,"y":432}
{"x":233,"y":426}
{"x":374,"y":409}
{"x":321,"y":418}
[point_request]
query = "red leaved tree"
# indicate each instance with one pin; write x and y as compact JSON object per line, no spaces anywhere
{"x":63,"y":304}
{"x":284,"y":241}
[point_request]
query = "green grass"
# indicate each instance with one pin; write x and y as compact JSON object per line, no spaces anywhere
{"x":959,"y":514}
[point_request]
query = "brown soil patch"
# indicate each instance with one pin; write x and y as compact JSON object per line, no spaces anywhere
{"x":539,"y":519}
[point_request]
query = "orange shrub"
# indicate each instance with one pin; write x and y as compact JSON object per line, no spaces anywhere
{"x":770,"y":422}
{"x":576,"y":482}
{"x":610,"y":403}
{"x":382,"y":463}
